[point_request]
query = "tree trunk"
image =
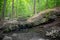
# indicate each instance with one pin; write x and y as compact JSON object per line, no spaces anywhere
{"x":46,"y":4}
{"x":12,"y":8}
{"x":3,"y":9}
{"x":3,"y":12}
{"x":34,"y":6}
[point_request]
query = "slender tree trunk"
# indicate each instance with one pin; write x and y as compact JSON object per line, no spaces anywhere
{"x":12,"y":8}
{"x":16,"y":7}
{"x":55,"y":3}
{"x":39,"y":6}
{"x":46,"y":4}
{"x":3,"y":12}
{"x":3,"y":9}
{"x":34,"y":6}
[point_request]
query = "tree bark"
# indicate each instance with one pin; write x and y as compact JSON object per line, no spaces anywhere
{"x":12,"y":8}
{"x":3,"y":12}
{"x":34,"y":6}
{"x":3,"y":9}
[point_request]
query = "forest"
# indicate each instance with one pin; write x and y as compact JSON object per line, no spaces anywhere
{"x":29,"y":19}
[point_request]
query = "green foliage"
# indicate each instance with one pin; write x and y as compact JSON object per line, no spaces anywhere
{"x":25,"y":8}
{"x":1,"y":5}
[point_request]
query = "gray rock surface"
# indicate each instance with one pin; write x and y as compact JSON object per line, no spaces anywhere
{"x":7,"y":38}
{"x":24,"y":36}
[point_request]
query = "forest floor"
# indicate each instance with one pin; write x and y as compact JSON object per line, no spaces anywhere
{"x":35,"y":28}
{"x":35,"y":33}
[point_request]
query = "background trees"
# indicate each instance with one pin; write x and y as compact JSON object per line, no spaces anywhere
{"x":25,"y":8}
